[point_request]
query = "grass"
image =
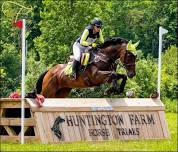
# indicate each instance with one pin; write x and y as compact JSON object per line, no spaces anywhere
{"x":170,"y":104}
{"x":115,"y":145}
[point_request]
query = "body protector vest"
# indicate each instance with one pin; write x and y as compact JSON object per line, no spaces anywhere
{"x":90,"y":37}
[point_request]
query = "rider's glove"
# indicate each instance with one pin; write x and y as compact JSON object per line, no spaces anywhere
{"x":94,"y":45}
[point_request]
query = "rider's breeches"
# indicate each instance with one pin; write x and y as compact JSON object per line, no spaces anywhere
{"x":78,"y":50}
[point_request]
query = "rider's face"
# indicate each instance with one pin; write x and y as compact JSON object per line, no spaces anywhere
{"x":97,"y":28}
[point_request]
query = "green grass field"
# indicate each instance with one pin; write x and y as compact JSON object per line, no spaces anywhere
{"x":138,"y":145}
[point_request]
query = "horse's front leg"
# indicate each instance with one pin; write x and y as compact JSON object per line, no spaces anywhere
{"x":115,"y":87}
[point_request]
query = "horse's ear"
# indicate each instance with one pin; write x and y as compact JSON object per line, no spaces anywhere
{"x":129,"y":45}
{"x":136,"y":44}
{"x":132,"y":47}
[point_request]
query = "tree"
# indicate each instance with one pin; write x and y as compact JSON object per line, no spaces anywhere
{"x":53,"y":26}
{"x":169,"y":84}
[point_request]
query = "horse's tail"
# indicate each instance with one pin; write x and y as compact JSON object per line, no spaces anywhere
{"x":39,"y":82}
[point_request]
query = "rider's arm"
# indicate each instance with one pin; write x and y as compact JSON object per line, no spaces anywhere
{"x":84,"y":37}
{"x":100,"y":39}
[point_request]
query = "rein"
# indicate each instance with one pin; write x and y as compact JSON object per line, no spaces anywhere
{"x":110,"y":60}
{"x":124,"y":65}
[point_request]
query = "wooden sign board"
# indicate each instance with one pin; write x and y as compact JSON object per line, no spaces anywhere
{"x":68,"y":120}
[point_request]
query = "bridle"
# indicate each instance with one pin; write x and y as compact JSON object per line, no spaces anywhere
{"x":124,"y":65}
{"x":111,"y":60}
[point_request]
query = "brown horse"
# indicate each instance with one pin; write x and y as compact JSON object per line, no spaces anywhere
{"x":101,"y":69}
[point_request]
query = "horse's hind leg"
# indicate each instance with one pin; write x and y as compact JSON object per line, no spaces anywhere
{"x":49,"y":88}
{"x":49,"y":93}
{"x":62,"y":93}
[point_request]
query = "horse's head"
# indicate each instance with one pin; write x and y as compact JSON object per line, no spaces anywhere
{"x":128,"y":62}
{"x":128,"y":58}
{"x":117,"y":47}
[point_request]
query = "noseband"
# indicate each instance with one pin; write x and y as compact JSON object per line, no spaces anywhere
{"x":124,"y":65}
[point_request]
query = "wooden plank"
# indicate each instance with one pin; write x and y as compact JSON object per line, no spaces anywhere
{"x":164,"y":124}
{"x":84,"y":129}
{"x":135,"y":127}
{"x":160,"y":134}
{"x":128,"y":126}
{"x":25,"y":129}
{"x":143,"y":128}
{"x":1,"y":112}
{"x":156,"y":128}
{"x":34,"y":127}
{"x":16,"y":139}
{"x":75,"y":128}
{"x":10,"y":100}
{"x":51,"y":122}
{"x":147,"y":129}
{"x":9,"y":130}
{"x":113,"y":128}
{"x":40,"y":127}
{"x":12,"y":103}
{"x":123,"y":125}
{"x":71,"y":128}
{"x":153,"y":127}
{"x":64,"y":127}
{"x":122,"y":104}
{"x":90,"y":128}
{"x":47,"y":128}
{"x":97,"y":127}
{"x":138,"y":108}
{"x":88,"y":109}
{"x":60,"y":125}
{"x":76,"y":131}
{"x":43,"y":122}
{"x":17,"y":122}
{"x":150,"y":131}
{"x":106,"y":129}
{"x":79,"y":108}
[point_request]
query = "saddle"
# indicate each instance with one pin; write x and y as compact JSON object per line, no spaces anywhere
{"x":84,"y":62}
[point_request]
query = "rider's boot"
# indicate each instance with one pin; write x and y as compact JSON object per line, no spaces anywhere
{"x":75,"y":68}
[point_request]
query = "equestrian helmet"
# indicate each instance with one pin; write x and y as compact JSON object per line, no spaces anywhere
{"x":97,"y":22}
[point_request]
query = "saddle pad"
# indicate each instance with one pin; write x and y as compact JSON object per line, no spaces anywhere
{"x":85,"y":58}
{"x":68,"y":69}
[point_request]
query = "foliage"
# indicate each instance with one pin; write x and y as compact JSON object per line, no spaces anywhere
{"x":140,"y":21}
{"x":170,"y":104}
{"x":169,"y":85}
{"x":33,"y":68}
{"x":62,"y":23}
{"x":146,"y":77}
{"x":10,"y":63}
{"x":53,"y":26}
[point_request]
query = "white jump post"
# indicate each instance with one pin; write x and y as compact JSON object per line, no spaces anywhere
{"x":23,"y":80}
{"x":161,"y":32}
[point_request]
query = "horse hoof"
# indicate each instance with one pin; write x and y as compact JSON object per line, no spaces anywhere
{"x":105,"y":92}
{"x":118,"y":92}
{"x":108,"y":91}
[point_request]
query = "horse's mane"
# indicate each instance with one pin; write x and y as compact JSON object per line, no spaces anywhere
{"x":112,"y":41}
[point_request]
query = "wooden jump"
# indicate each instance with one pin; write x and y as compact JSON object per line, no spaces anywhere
{"x":82,"y":119}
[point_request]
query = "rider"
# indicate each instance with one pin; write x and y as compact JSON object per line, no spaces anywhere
{"x":86,"y":41}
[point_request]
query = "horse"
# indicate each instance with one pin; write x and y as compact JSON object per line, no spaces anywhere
{"x":54,"y":83}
